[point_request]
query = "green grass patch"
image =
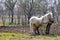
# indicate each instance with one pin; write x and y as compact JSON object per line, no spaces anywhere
{"x":6,"y":23}
{"x":10,"y":36}
{"x":1,"y":23}
{"x":20,"y":36}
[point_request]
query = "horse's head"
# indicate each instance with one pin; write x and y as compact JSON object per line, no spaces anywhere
{"x":50,"y":17}
{"x":51,"y":14}
{"x":51,"y":20}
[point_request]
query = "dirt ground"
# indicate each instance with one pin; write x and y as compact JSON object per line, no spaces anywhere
{"x":25,"y":29}
{"x":15,"y":29}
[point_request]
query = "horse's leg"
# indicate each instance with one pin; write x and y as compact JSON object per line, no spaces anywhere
{"x":37,"y":30}
{"x":41,"y":30}
{"x":31,"y":28}
{"x":48,"y":28}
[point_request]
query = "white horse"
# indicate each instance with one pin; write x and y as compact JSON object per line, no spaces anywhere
{"x":36,"y":22}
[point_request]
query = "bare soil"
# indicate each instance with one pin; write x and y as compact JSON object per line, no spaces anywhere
{"x":25,"y":29}
{"x":15,"y":29}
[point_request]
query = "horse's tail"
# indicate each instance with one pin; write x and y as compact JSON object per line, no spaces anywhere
{"x":31,"y":27}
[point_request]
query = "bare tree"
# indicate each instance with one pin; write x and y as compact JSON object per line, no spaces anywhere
{"x":2,"y":11}
{"x":27,"y":7}
{"x":10,"y":4}
{"x":58,"y":10}
{"x":18,"y":15}
{"x":32,"y":7}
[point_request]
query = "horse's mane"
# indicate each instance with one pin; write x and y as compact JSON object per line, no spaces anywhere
{"x":47,"y":14}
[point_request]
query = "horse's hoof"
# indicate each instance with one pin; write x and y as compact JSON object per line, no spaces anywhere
{"x":33,"y":34}
{"x":38,"y":34}
{"x":43,"y":34}
{"x":46,"y":34}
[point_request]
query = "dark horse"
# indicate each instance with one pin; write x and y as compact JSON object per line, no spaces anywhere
{"x":48,"y":26}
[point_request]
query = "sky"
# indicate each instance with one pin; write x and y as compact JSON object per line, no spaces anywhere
{"x":0,"y":0}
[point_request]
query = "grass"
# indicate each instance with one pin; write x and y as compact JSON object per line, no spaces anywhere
{"x":15,"y":18}
{"x":20,"y":36}
{"x":6,"y":23}
{"x":10,"y":36}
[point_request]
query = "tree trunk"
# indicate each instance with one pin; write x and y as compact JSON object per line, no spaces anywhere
{"x":3,"y":20}
{"x":25,"y":20}
{"x":18,"y":19}
{"x":9,"y":17}
{"x":12,"y":16}
{"x":29,"y":18}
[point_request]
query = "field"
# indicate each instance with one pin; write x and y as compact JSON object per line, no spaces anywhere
{"x":15,"y":19}
{"x":20,"y":36}
{"x":23,"y":33}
